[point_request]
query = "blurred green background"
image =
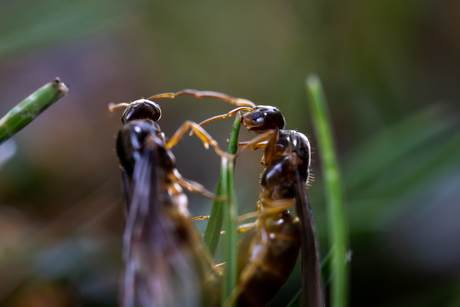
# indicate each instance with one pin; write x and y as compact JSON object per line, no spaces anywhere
{"x":390,"y":71}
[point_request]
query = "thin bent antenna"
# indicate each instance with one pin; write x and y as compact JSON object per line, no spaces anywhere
{"x":114,"y":106}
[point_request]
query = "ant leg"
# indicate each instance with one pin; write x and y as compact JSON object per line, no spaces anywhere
{"x":274,"y":206}
{"x":193,"y":186}
{"x":199,"y":218}
{"x":240,"y":229}
{"x":207,"y":94}
{"x":271,"y":206}
{"x":217,"y":117}
{"x":247,"y":216}
{"x":218,"y":269}
{"x":200,"y":132}
{"x":229,"y":114}
{"x":254,"y":143}
{"x":270,"y":152}
{"x":164,"y":95}
{"x":244,"y":227}
{"x":262,"y":144}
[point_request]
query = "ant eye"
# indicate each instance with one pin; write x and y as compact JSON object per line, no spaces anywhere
{"x":257,"y":117}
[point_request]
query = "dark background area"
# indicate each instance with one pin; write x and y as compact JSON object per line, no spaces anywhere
{"x":390,"y":70}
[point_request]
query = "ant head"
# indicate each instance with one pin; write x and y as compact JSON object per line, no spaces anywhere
{"x":263,"y":118}
{"x":139,"y":109}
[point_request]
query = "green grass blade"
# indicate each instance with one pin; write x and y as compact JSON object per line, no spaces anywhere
{"x":27,"y":110}
{"x":230,"y":253}
{"x":333,"y":189}
{"x":212,"y":233}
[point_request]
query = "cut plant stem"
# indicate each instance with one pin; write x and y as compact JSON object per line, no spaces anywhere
{"x":27,"y":110}
{"x":212,"y":233}
{"x":338,"y":229}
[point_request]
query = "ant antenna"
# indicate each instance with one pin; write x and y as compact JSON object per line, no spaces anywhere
{"x":114,"y":106}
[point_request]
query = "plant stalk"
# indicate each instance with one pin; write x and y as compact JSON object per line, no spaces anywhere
{"x":27,"y":110}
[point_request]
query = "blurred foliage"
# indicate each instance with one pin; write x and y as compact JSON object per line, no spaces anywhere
{"x":389,"y":69}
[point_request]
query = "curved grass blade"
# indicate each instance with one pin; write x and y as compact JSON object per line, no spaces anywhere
{"x":212,"y":233}
{"x":338,"y":228}
{"x":230,"y":252}
{"x":27,"y":110}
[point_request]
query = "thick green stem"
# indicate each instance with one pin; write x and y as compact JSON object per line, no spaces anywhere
{"x":212,"y":234}
{"x":337,"y":221}
{"x":27,"y":110}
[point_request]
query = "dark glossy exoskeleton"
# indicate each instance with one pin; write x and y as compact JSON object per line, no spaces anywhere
{"x":287,"y":159}
{"x":165,"y":263}
{"x":128,"y":145}
{"x":269,"y":249}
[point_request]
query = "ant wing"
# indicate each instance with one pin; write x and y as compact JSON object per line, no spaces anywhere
{"x":126,"y":187}
{"x":310,"y":262}
{"x":159,"y":270}
{"x":142,"y":183}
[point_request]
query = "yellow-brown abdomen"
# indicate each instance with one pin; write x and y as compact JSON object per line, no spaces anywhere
{"x":272,"y":245}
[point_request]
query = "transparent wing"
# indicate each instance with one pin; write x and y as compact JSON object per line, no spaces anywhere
{"x":310,"y":262}
{"x":160,"y":268}
{"x":127,"y":188}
